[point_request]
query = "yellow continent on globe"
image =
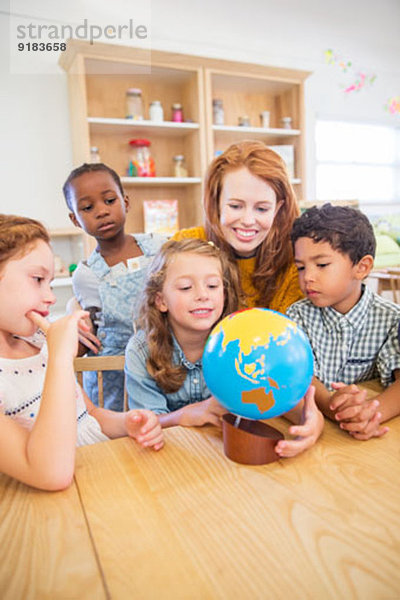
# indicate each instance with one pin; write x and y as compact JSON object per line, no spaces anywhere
{"x":247,"y":332}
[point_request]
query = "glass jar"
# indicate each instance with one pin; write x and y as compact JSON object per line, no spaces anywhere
{"x":94,"y":155}
{"x":286,"y":122}
{"x":156,"y":111}
{"x":264,"y":119}
{"x":180,"y":169}
{"x":177,"y":112}
{"x":141,"y":163}
{"x":218,"y":112}
{"x":244,"y":121}
{"x":134,"y":104}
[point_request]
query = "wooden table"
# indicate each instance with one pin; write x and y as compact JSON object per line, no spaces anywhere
{"x":188,"y":523}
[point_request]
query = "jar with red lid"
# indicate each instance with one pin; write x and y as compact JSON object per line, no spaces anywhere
{"x":141,"y":163}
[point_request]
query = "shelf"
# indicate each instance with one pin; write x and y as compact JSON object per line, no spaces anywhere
{"x":61,"y":282}
{"x":165,"y":128}
{"x":65,"y":232}
{"x":161,"y":181}
{"x":99,"y":78}
{"x":258,"y":132}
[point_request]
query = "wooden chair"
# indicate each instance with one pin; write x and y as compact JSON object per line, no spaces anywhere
{"x":388,"y":280}
{"x":100,"y":364}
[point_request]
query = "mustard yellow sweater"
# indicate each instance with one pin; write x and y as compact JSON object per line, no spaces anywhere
{"x":288,"y":290}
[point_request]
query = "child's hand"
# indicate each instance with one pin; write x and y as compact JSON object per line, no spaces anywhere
{"x":61,"y":335}
{"x":144,"y":427}
{"x":87,"y":337}
{"x":208,"y":411}
{"x":357,"y":415}
{"x":307,"y":433}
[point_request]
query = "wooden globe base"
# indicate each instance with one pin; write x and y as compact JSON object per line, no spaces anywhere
{"x":251,"y":443}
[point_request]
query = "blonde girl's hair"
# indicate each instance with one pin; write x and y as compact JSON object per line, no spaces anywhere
{"x":274,"y":255}
{"x":17,"y":236}
{"x":170,"y":377}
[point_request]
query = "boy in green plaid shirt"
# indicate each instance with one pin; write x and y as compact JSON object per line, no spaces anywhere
{"x":353,"y":331}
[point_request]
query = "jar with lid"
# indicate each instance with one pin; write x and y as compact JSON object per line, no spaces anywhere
{"x":180,"y":169}
{"x":218,"y":112}
{"x":94,"y":155}
{"x":141,"y":163}
{"x":156,"y":111}
{"x":134,"y":104}
{"x":244,"y":121}
{"x":177,"y":112}
{"x":286,"y":122}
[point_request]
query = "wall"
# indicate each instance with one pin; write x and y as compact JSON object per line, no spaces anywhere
{"x":35,"y":148}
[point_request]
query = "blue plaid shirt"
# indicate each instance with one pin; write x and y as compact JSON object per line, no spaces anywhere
{"x":360,"y":345}
{"x":143,"y":391}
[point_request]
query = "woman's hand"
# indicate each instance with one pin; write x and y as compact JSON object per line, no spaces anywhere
{"x":307,"y":433}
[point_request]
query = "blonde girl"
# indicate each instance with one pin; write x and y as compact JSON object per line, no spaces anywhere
{"x":190,"y":286}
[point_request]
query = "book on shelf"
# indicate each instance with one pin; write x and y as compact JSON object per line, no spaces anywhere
{"x":161,"y":216}
{"x":287,"y":153}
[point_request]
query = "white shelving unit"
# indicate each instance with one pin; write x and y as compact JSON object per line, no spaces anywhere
{"x":100,"y":74}
{"x":161,"y":181}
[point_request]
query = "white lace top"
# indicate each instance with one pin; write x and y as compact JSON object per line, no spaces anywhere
{"x":21,"y":385}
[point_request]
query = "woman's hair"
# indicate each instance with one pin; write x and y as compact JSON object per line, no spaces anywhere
{"x":17,"y":236}
{"x":89,"y":168}
{"x":170,"y":377}
{"x":274,"y":254}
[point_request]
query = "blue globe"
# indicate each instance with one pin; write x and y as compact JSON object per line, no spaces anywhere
{"x":258,"y":363}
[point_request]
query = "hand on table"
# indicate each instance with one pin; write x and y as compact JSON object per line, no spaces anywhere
{"x":143,"y":425}
{"x":208,"y":411}
{"x":356,"y":414}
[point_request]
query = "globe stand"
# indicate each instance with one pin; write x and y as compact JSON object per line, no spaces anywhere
{"x":251,"y":442}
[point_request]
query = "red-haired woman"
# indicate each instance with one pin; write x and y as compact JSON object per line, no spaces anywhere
{"x":249,"y":208}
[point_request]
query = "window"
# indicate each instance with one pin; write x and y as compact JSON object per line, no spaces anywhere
{"x":357,"y":161}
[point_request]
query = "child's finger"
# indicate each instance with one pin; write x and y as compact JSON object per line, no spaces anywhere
{"x":367,"y":436}
{"x":360,"y":412}
{"x":347,"y":399}
{"x":368,"y":411}
{"x":339,"y":385}
{"x":88,"y":344}
{"x":151,"y":439}
{"x":352,"y":412}
{"x":39,"y":320}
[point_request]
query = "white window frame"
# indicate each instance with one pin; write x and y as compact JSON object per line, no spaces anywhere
{"x":348,"y":160}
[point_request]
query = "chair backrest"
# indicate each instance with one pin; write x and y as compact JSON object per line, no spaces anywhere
{"x":388,"y":281}
{"x":100,"y":364}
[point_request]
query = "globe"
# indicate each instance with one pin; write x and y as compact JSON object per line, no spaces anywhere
{"x":258,"y":363}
